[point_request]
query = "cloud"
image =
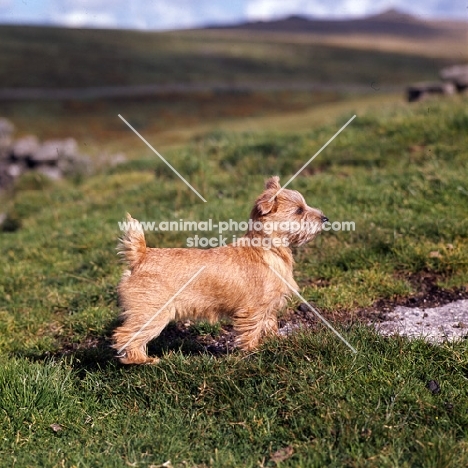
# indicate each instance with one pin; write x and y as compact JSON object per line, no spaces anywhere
{"x":173,"y":14}
{"x":143,"y":14}
{"x":81,"y":18}
{"x":90,"y":4}
{"x":189,"y":13}
{"x":456,"y":9}
{"x":267,"y":9}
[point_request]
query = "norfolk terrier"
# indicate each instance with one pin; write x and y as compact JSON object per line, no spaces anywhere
{"x":238,"y":281}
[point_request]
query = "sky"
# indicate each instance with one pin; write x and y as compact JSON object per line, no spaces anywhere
{"x":176,"y":14}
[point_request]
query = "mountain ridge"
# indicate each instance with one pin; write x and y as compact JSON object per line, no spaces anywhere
{"x":388,"y":22}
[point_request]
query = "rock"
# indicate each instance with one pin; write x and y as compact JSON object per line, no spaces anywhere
{"x":6,"y":135}
{"x":69,"y":149}
{"x":79,"y":165}
{"x":433,"y":386}
{"x":24,"y":148}
{"x":53,"y":150}
{"x":14,"y":170}
{"x":5,"y":178}
{"x":457,"y":74}
{"x":116,"y":159}
{"x":48,"y":152}
{"x":420,"y":91}
{"x":105,"y":160}
{"x":433,"y":324}
{"x":6,"y":127}
{"x":303,"y":307}
{"x":289,"y":329}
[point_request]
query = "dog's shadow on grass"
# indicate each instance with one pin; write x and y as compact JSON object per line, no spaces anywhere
{"x":95,"y":352}
{"x":192,"y":340}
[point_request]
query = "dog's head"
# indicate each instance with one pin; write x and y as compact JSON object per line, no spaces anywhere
{"x":285,"y":214}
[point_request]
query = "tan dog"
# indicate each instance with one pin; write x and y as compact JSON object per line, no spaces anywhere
{"x":236,"y":281}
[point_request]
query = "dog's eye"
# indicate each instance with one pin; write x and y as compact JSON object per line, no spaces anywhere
{"x":300,"y":210}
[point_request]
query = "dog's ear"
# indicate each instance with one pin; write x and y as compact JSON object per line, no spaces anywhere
{"x":266,"y":201}
{"x":273,"y":183}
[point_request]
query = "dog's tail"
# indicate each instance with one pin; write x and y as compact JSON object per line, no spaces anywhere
{"x":132,"y":245}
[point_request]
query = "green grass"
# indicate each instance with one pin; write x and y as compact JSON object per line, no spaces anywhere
{"x":399,"y":174}
{"x":307,"y":392}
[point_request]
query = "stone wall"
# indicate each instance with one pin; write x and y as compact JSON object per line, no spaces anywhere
{"x":454,"y":79}
{"x":54,"y":158}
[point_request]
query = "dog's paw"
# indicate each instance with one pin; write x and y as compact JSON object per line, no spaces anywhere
{"x":129,"y":359}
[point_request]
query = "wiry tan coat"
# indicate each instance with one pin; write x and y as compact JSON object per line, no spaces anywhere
{"x":237,"y":281}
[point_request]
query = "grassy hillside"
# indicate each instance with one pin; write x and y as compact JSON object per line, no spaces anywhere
{"x":55,"y":57}
{"x":399,"y":173}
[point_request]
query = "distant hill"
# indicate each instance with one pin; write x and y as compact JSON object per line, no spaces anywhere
{"x":391,"y":48}
{"x":391,"y":23}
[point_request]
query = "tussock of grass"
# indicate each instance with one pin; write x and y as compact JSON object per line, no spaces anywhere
{"x":400,"y":175}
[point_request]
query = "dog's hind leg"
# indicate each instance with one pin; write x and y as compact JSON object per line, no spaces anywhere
{"x":252,"y":325}
{"x":131,"y":338}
